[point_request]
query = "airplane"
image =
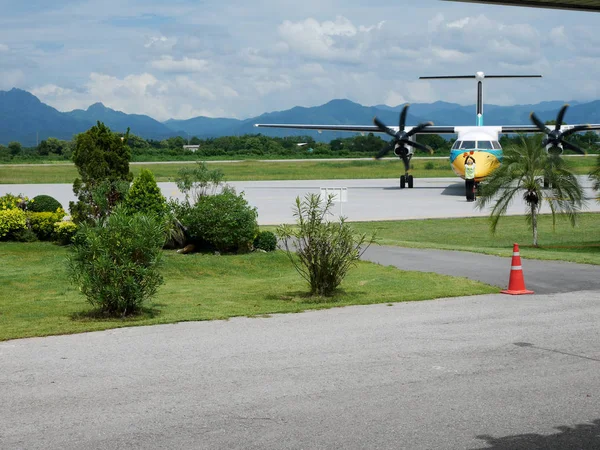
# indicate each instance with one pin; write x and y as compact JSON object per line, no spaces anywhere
{"x":479,"y":141}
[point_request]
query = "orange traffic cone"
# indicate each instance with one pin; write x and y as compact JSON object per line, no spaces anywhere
{"x":516,"y":284}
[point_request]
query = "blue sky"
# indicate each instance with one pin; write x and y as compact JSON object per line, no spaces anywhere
{"x":181,"y":59}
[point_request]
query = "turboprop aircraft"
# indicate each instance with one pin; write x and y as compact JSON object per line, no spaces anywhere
{"x":479,"y":141}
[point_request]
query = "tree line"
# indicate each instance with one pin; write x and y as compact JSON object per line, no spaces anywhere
{"x":250,"y":146}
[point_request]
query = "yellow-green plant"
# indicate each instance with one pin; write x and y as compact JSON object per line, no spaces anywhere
{"x":64,"y":231}
{"x":42,"y":223}
{"x":10,"y":201}
{"x":12,"y":221}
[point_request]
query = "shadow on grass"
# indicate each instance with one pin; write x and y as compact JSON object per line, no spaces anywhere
{"x":585,"y":436}
{"x":302,"y":297}
{"x":96,"y":315}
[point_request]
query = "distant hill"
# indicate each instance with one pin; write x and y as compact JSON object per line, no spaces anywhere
{"x":119,"y":121}
{"x":24,"y":118}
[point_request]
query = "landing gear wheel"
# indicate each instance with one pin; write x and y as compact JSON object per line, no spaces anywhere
{"x":402,"y":182}
{"x":410,"y":181}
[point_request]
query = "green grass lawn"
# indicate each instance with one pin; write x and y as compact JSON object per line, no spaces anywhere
{"x":264,"y":170}
{"x":580,"y":244}
{"x":37,"y":299}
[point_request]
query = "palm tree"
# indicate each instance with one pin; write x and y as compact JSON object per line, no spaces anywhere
{"x":595,"y":176}
{"x":525,"y":168}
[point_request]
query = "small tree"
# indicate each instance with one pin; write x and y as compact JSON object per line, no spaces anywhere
{"x":198,"y":181}
{"x":114,"y":261}
{"x":524,"y":169}
{"x":321,"y":251}
{"x":145,"y":196}
{"x":102,"y":160}
{"x":595,"y":176}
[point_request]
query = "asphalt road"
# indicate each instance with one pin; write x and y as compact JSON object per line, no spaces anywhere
{"x":543,"y":277}
{"x":374,"y":199}
{"x":492,"y":371}
{"x":489,"y":371}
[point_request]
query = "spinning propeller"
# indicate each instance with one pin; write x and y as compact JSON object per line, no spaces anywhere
{"x":401,"y":140}
{"x":555,"y":138}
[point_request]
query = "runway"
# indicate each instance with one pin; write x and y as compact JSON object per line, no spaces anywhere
{"x":371,"y":199}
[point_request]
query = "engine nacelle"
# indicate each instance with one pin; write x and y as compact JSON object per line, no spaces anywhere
{"x":401,"y":151}
{"x":554,"y":150}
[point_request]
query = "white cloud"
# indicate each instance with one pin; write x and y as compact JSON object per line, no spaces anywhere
{"x":3,"y":48}
{"x":185,"y":65}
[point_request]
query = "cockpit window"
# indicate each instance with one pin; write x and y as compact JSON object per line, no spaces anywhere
{"x":468,"y":145}
{"x":496,"y":145}
{"x":485,"y":145}
{"x":456,"y":145}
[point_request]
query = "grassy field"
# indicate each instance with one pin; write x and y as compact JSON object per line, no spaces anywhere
{"x":265,"y":170}
{"x":37,"y":299}
{"x":580,"y":244}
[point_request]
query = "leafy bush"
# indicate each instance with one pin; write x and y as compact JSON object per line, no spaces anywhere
{"x":64,"y":231}
{"x":12,"y":221}
{"x":10,"y":201}
{"x":224,"y":221}
{"x":197,"y":182}
{"x":324,"y":251}
{"x":145,"y":196}
{"x":42,"y":223}
{"x":24,"y":235}
{"x":43,"y":203}
{"x":266,"y":240}
{"x":115,"y":262}
{"x":429,"y":165}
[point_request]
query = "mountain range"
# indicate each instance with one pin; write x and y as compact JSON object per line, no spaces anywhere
{"x":24,"y":118}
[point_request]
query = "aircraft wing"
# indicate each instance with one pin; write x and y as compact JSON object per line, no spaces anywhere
{"x":353,"y":128}
{"x":534,"y":129}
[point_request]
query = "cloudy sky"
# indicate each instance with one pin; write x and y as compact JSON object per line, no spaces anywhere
{"x":234,"y":58}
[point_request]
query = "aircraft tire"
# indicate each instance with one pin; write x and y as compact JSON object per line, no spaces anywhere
{"x":410,"y":181}
{"x":402,"y":182}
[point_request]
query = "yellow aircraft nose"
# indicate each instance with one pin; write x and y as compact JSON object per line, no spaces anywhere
{"x":485,"y":163}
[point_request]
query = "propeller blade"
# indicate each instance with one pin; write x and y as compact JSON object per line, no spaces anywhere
{"x":383,"y":127}
{"x":539,"y":123}
{"x":419,"y":146}
{"x":573,"y":147}
{"x":385,"y":150}
{"x":419,"y":128}
{"x":403,"y":117}
{"x":575,"y":129}
{"x":560,"y":117}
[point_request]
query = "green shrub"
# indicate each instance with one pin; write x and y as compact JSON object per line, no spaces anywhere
{"x":24,"y":235}
{"x":145,"y":196}
{"x":115,"y":261}
{"x":266,"y":240}
{"x":10,"y":201}
{"x":43,"y":203}
{"x":12,"y":221}
{"x":224,"y":221}
{"x":64,"y":231}
{"x":429,"y":165}
{"x":322,"y":252}
{"x":42,"y":223}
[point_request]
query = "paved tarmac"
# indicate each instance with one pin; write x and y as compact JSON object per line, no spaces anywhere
{"x":491,"y":371}
{"x":478,"y":372}
{"x":379,"y":199}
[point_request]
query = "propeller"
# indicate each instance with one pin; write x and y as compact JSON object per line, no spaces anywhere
{"x":401,"y":140}
{"x":556,"y":138}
